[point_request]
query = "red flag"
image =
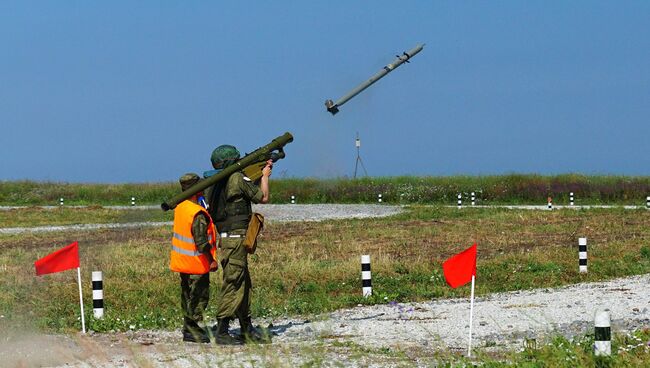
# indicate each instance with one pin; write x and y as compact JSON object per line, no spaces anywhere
{"x":460,"y":267}
{"x":63,"y":259}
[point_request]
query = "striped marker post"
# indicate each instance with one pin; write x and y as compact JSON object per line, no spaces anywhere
{"x":460,"y":200}
{"x":379,"y":198}
{"x":603,"y":334}
{"x":571,"y":199}
{"x":132,"y":201}
{"x":366,"y":282}
{"x":582,"y":255}
{"x":61,"y":201}
{"x":647,"y":202}
{"x":550,"y":203}
{"x":293,"y":199}
{"x":473,"y":199}
{"x":98,"y":294}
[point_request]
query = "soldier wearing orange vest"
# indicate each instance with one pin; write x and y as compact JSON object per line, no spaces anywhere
{"x":193,"y":256}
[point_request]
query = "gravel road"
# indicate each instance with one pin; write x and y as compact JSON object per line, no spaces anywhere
{"x":272,"y":212}
{"x":501,"y":320}
{"x":320,"y":212}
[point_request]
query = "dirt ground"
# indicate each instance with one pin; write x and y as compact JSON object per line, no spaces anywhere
{"x":409,"y":334}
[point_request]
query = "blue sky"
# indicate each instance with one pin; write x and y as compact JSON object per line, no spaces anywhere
{"x":143,"y":91}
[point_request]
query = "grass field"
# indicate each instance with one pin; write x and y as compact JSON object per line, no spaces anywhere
{"x":497,"y":189}
{"x":314,"y":267}
{"x":309,"y":268}
{"x":35,"y":216}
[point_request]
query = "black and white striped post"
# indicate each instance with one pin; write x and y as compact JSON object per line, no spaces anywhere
{"x":550,"y":203}
{"x":293,"y":199}
{"x":132,"y":201}
{"x":571,"y":199}
{"x":460,"y":201}
{"x":473,"y":199}
{"x":61,"y":201}
{"x":366,"y":282}
{"x":98,"y":294}
{"x":647,"y":202}
{"x":582,"y":255}
{"x":379,"y":198}
{"x":602,"y":334}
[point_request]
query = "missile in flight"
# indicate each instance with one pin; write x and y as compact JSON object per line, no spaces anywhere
{"x":333,"y":107}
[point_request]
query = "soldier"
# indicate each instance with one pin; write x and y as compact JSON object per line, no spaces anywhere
{"x":193,"y":256}
{"x":230,"y":205}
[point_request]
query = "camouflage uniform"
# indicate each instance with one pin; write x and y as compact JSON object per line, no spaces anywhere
{"x":234,"y":296}
{"x":230,"y":209}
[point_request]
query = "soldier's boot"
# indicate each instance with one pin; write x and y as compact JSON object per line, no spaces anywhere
{"x":250,"y":334}
{"x":221,"y":335}
{"x":194,"y":335}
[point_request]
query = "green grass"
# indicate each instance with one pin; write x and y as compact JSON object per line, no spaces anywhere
{"x":26,"y":193}
{"x":36,"y":216}
{"x":628,"y":350}
{"x":496,"y":189}
{"x":305,"y":268}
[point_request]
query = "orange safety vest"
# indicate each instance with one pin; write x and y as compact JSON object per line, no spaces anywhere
{"x":184,"y":257}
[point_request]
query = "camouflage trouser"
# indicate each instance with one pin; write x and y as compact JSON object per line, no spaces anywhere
{"x":195,"y":293}
{"x":234,"y":296}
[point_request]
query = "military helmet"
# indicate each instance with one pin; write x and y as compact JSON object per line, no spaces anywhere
{"x":188,"y":180}
{"x":223,"y":156}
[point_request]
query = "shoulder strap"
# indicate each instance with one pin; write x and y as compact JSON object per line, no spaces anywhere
{"x":218,"y":202}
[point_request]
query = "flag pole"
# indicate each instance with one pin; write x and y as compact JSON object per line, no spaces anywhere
{"x":471,"y":312}
{"x":81,"y":301}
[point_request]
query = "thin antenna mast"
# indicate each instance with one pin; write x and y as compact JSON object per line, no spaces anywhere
{"x":359,"y":161}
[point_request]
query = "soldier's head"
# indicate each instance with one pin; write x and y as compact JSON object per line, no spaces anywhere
{"x":188,"y":180}
{"x":223,"y":156}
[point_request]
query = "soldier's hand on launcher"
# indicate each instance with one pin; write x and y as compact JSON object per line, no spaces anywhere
{"x":266,"y":171}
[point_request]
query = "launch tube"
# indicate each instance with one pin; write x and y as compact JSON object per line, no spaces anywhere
{"x":260,"y":154}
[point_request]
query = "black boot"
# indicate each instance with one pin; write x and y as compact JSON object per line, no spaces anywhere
{"x":250,"y":334}
{"x":221,"y":335}
{"x":196,"y":336}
